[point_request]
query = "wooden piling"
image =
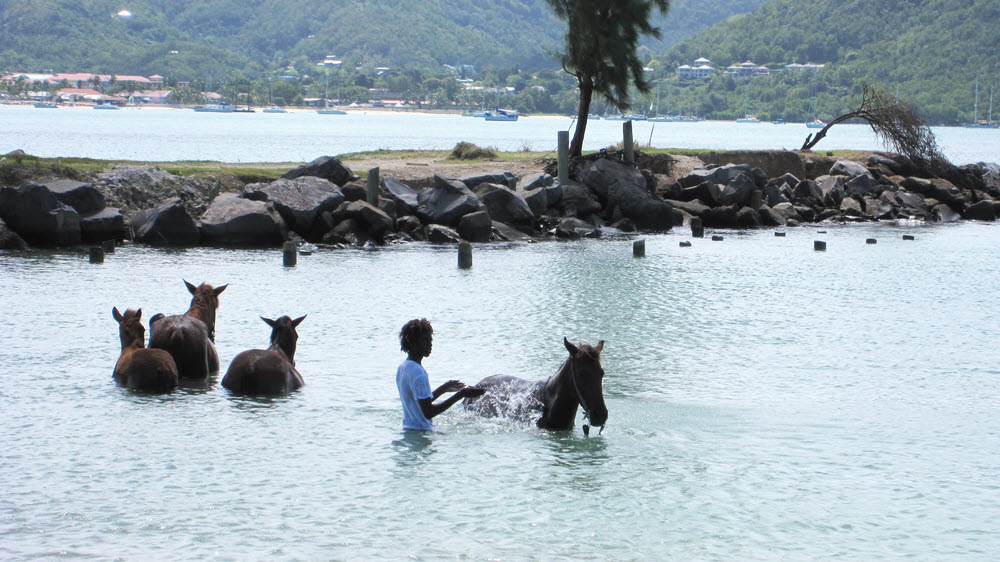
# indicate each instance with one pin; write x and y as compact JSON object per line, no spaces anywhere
{"x":685,"y":244}
{"x":108,"y":246}
{"x":779,"y":234}
{"x":871,"y":241}
{"x":373,"y":181}
{"x":639,"y":248}
{"x":464,"y":255}
{"x":697,"y":230}
{"x":627,"y":137}
{"x":908,"y":237}
{"x":96,"y":254}
{"x":563,"y":138}
{"x":717,"y":238}
{"x":756,"y":199}
{"x":819,"y":245}
{"x":290,"y":254}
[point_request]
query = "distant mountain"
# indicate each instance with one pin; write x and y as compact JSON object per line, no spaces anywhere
{"x":929,"y":51}
{"x":248,"y":38}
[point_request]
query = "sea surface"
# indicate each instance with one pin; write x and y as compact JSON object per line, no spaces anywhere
{"x":159,"y":135}
{"x":767,"y":402}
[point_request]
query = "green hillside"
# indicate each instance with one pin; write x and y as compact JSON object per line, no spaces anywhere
{"x":246,"y":39}
{"x":929,"y":51}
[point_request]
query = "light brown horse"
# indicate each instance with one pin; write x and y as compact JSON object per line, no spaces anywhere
{"x":139,"y":368}
{"x":190,"y":338}
{"x":267,"y":371}
{"x":578,"y":383}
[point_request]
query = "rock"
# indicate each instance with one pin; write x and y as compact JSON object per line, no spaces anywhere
{"x":770,"y":217}
{"x":624,"y":189}
{"x":720,"y":217}
{"x":737,"y":192}
{"x":234,"y":221}
{"x":721,"y":175}
{"x":509,"y":233}
{"x":373,"y":220}
{"x":106,"y":224}
{"x":808,"y":192}
{"x":783,"y":179}
{"x":537,"y":200}
{"x":447,"y":202}
{"x":388,"y":206}
{"x":850,"y":206}
{"x":832,"y":188}
{"x":774,"y":194}
{"x":300,"y":201}
{"x":746,"y":217}
{"x":578,"y":201}
{"x":355,"y":191}
{"x":945,"y":192}
{"x":535,"y":181}
{"x":916,"y":185}
{"x":403,"y":195}
{"x":506,"y":179}
{"x":83,"y":197}
{"x":694,"y":208}
{"x":504,"y":204}
{"x":476,"y":227}
{"x":440,"y":234}
{"x":848,"y":168}
{"x":326,"y":167}
{"x":880,"y":208}
{"x":669,"y":189}
{"x":37,"y":216}
{"x":9,"y":240}
{"x":573,"y":228}
{"x":348,"y":232}
{"x":861,"y":185}
{"x":910,"y":204}
{"x":884,"y":161}
{"x":943,"y":213}
{"x":167,"y":224}
{"x":409,"y":224}
{"x":981,"y":211}
{"x":806,"y":214}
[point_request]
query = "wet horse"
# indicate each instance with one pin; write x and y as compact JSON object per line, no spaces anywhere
{"x":267,"y":371}
{"x":139,"y":368}
{"x":577,"y":383}
{"x":190,"y":338}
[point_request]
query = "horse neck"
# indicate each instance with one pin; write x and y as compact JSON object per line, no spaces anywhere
{"x":561,"y":398}
{"x":202,"y":311}
{"x":131,"y":340}
{"x":285,"y":348}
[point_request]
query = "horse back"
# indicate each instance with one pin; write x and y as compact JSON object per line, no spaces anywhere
{"x":186,"y":339}
{"x":506,"y":396}
{"x":261,"y":372}
{"x":146,"y":370}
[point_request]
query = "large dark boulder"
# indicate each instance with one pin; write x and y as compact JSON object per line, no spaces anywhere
{"x":981,"y":211}
{"x":747,"y":217}
{"x":778,"y":193}
{"x":784,"y":212}
{"x":504,"y":205}
{"x":509,"y":233}
{"x":737,"y":192}
{"x":861,"y":185}
{"x":326,"y":167}
{"x":832,"y":188}
{"x":373,"y":220}
{"x":943,"y":213}
{"x":707,"y":192}
{"x":721,"y":175}
{"x":106,"y":224}
{"x":476,"y":227}
{"x":9,"y":240}
{"x":403,"y":195}
{"x":440,"y":234}
{"x":769,"y":217}
{"x":694,"y":208}
{"x":446,"y":202}
{"x":720,"y":217}
{"x":908,"y":204}
{"x":807,"y":192}
{"x":234,"y":221}
{"x":573,"y":228}
{"x":167,"y":224}
{"x":624,"y":189}
{"x":300,"y":201}
{"x":83,"y":197}
{"x":38,"y":216}
{"x":848,"y":168}
{"x":578,"y":201}
{"x":506,"y":179}
{"x":535,"y":181}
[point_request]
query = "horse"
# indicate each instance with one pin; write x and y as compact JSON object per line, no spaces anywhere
{"x":267,"y":371}
{"x":190,"y":337}
{"x":577,"y":383}
{"x":139,"y":368}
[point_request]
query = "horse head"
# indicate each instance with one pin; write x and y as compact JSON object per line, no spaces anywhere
{"x":588,"y":376}
{"x":204,"y":302}
{"x":283,"y":335}
{"x":130,"y":328}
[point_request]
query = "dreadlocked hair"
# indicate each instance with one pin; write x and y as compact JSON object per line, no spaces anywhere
{"x":412,"y":331}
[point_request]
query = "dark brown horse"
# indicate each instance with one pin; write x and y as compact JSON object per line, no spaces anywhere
{"x":270,"y":371}
{"x":190,"y":338}
{"x":577,"y":383}
{"x":139,"y":368}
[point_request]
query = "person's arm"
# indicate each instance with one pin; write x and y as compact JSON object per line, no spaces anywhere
{"x":430,"y":409}
{"x":450,"y":386}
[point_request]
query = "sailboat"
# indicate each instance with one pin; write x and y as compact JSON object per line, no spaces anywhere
{"x":657,"y":118}
{"x":747,"y":116}
{"x":816,"y":123}
{"x":221,"y":107}
{"x":976,"y":123}
{"x":327,"y":110}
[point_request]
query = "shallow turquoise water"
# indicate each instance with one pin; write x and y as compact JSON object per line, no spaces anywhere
{"x":766,"y":402}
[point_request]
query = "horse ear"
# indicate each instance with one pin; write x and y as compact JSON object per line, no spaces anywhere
{"x":191,"y":288}
{"x":218,"y":290}
{"x":298,"y":321}
{"x":269,"y":322}
{"x":600,"y":346}
{"x":116,"y":314}
{"x":569,"y":347}
{"x":138,"y":314}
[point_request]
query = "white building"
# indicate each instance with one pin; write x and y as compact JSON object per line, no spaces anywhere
{"x":747,"y":70}
{"x":808,"y":67}
{"x":702,"y":68}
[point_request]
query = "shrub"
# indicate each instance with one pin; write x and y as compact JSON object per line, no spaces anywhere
{"x":469,"y":151}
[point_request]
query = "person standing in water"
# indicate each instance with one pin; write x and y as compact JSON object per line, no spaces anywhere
{"x":416,"y":339}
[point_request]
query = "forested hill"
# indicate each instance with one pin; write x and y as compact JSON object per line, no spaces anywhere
{"x":185,"y":40}
{"x":929,"y":51}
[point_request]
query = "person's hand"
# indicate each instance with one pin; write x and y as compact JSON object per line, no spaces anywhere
{"x":452,"y":386}
{"x":471,"y":392}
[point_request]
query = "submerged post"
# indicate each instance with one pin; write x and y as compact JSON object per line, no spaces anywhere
{"x":627,"y":137}
{"x":290,"y":255}
{"x":819,"y":245}
{"x":639,"y":248}
{"x":373,"y":181}
{"x":464,"y":255}
{"x":563,"y":141}
{"x":109,"y":246}
{"x":697,"y":230}
{"x":96,"y":254}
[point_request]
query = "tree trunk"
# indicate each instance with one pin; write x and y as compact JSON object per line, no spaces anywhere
{"x":586,"y":94}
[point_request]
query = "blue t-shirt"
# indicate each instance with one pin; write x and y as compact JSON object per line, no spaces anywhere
{"x":413,"y":385}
